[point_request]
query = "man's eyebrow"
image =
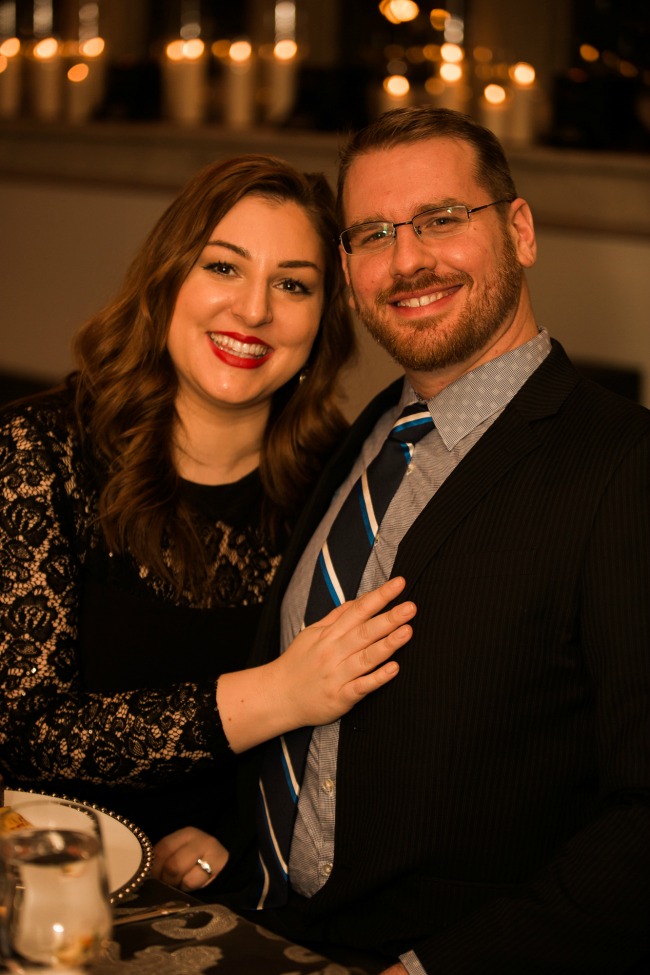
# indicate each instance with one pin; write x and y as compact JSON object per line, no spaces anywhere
{"x":246,"y":254}
{"x":448,"y":201}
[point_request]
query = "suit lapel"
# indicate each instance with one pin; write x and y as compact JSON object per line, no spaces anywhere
{"x":518,"y":431}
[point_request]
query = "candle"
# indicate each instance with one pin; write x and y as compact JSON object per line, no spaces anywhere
{"x":239,"y":103}
{"x":10,"y":78}
{"x":494,"y":110}
{"x":451,"y":91}
{"x":46,"y":80}
{"x":184,"y":69}
{"x":522,"y":127}
{"x":85,"y":78}
{"x":7,"y":18}
{"x":283,"y":82}
{"x":79,"y":101}
{"x":43,"y":18}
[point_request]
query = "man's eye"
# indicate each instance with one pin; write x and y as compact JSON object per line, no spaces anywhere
{"x":442,"y":221}
{"x":378,"y":233}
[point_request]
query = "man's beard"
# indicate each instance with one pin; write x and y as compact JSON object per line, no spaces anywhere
{"x":426,"y":345}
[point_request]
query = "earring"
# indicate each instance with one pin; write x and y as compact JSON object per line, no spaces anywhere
{"x":303,"y":375}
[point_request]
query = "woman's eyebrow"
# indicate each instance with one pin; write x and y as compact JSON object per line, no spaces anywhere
{"x":299,"y":264}
{"x":246,"y":254}
{"x":231,"y":247}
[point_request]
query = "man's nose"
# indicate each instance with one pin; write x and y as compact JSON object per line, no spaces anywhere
{"x":410,"y":253}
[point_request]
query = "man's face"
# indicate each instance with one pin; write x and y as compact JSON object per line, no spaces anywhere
{"x":436,"y":304}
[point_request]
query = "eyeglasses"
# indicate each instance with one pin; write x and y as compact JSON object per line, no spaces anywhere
{"x":368,"y":238}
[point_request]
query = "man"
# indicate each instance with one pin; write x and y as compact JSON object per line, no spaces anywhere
{"x":488,"y":811}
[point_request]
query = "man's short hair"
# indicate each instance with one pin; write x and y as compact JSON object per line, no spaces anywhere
{"x":405,"y":126}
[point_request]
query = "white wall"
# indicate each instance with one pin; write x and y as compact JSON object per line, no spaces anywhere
{"x":592,"y":292}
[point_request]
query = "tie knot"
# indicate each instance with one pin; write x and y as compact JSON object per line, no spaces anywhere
{"x":412,"y":424}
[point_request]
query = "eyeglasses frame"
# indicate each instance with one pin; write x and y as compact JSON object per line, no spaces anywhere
{"x":405,"y":223}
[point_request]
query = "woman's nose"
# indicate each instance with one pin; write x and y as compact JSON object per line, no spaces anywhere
{"x":253,"y":306}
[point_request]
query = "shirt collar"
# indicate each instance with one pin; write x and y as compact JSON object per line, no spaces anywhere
{"x":480,"y":393}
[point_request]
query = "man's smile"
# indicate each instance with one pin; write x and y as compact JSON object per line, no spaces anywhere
{"x":421,"y":301}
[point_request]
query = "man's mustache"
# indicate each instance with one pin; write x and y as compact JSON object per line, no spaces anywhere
{"x":421,"y":282}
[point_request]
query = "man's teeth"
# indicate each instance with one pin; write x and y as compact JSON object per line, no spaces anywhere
{"x":424,"y":300}
{"x":228,"y":344}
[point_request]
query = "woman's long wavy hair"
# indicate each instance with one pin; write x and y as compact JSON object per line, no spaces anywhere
{"x":125,"y":383}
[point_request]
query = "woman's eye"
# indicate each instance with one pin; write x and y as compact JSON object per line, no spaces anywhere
{"x":294,"y":287}
{"x":219,"y":267}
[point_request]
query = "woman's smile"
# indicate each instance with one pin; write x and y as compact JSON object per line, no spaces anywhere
{"x":241,"y":351}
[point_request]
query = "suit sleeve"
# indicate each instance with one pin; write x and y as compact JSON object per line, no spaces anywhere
{"x":588,"y":910}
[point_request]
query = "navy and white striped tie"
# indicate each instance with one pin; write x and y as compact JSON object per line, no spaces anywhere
{"x":336,"y":578}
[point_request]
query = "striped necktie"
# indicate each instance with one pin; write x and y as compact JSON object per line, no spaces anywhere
{"x":337,"y":575}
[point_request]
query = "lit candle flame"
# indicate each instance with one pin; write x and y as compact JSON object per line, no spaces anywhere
{"x":523,"y":74}
{"x":397,"y":85}
{"x":92,"y":48}
{"x":10,"y":47}
{"x":451,"y":72}
{"x":285,"y":50}
{"x":453,"y":53}
{"x":78,"y":72}
{"x":46,"y":49}
{"x":240,"y":51}
{"x":494,"y":94}
{"x":180,"y":50}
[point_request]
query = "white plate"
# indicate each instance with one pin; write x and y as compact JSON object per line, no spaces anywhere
{"x":127,"y":849}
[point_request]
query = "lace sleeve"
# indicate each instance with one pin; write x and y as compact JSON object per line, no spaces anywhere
{"x":50,"y":729}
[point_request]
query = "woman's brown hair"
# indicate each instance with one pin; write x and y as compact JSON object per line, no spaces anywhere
{"x":126,"y":384}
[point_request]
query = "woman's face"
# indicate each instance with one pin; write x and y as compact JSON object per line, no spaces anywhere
{"x":248,"y":312}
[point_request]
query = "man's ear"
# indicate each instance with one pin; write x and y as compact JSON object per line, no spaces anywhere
{"x":522,"y":229}
{"x":346,"y":274}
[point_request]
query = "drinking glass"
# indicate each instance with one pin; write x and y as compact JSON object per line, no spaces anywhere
{"x":54,"y":890}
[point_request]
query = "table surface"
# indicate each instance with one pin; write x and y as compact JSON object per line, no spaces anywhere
{"x":200,"y":939}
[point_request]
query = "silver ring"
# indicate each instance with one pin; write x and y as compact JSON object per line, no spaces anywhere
{"x":205,"y":866}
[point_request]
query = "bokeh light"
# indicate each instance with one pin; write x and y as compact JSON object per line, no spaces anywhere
{"x":494,"y":94}
{"x":240,"y":51}
{"x":397,"y":85}
{"x":451,"y":72}
{"x":523,"y":74}
{"x":46,"y":49}
{"x":78,"y":72}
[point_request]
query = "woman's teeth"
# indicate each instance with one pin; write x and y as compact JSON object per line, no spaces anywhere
{"x":234,"y":346}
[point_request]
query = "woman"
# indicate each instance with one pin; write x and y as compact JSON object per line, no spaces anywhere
{"x":144,"y":507}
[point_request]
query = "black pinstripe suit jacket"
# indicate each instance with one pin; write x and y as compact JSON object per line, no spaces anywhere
{"x":493,"y":802}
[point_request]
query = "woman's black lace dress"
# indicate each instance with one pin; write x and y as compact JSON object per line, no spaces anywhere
{"x":109,"y":679}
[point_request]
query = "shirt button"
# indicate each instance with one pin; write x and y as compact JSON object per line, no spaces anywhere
{"x":326,"y":869}
{"x":327,"y":785}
